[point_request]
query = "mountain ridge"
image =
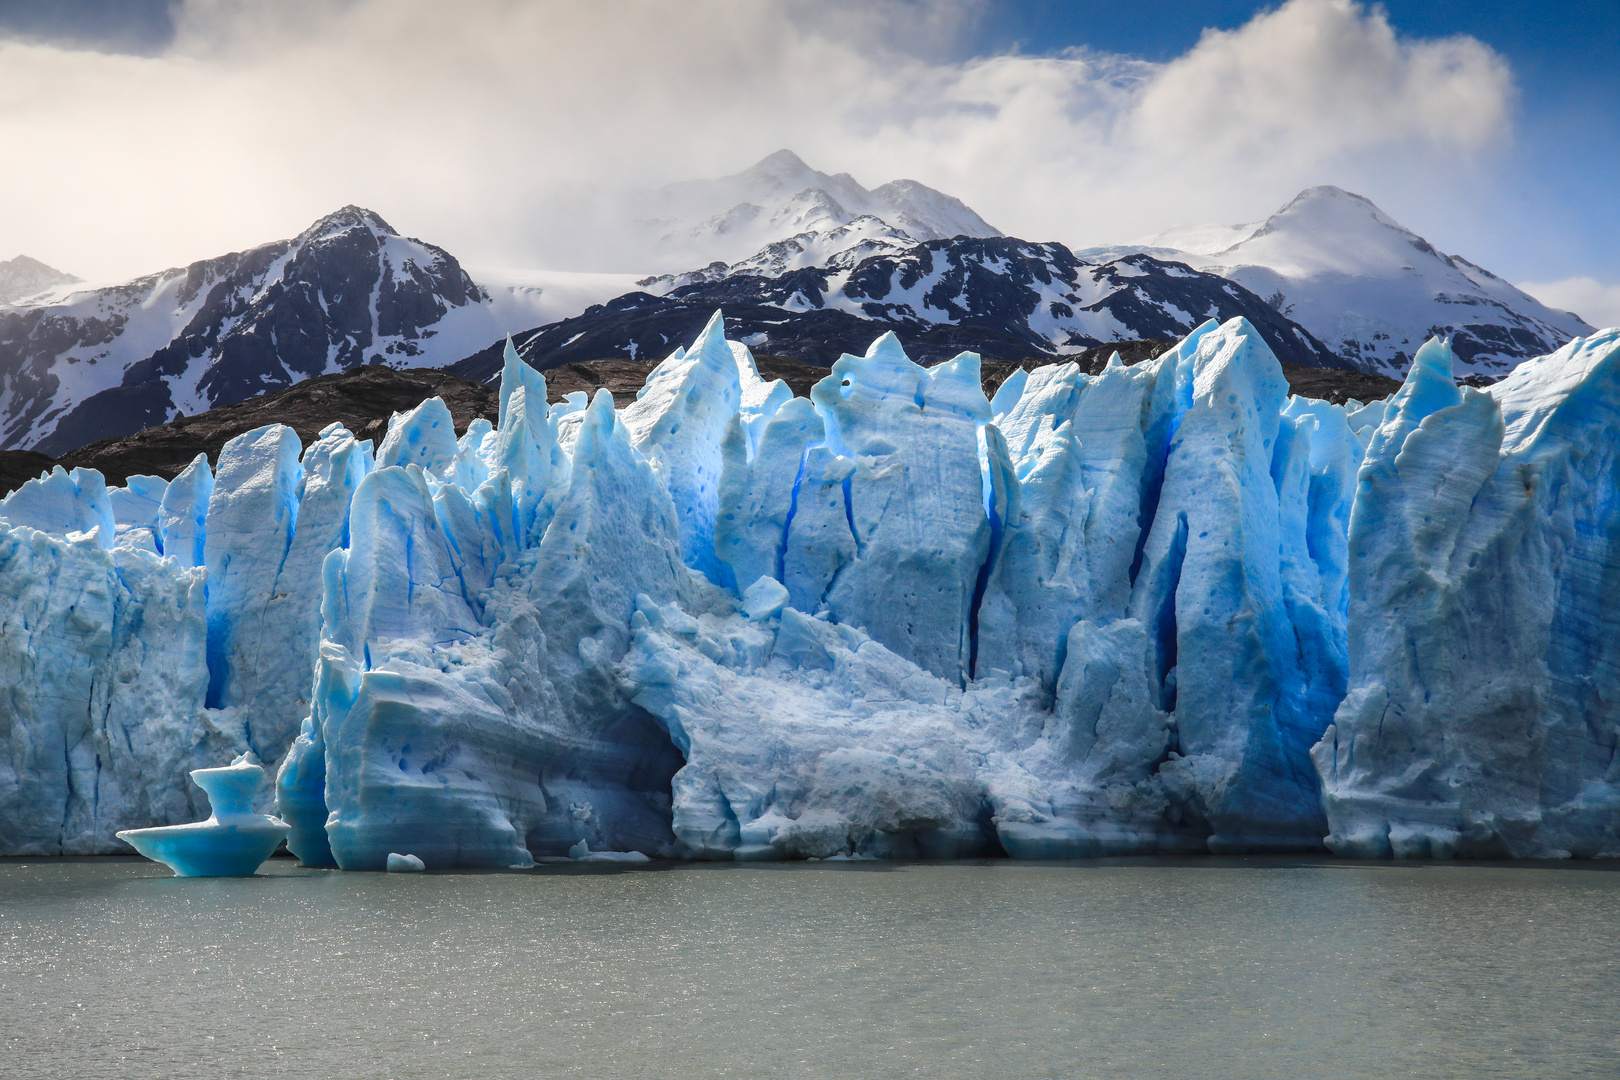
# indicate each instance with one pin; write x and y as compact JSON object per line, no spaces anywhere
{"x":1329,"y":280}
{"x":1006,"y":299}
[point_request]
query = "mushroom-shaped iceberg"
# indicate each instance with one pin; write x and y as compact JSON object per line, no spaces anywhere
{"x":233,"y":842}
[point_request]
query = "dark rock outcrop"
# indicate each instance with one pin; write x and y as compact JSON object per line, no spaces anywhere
{"x":1002,"y":298}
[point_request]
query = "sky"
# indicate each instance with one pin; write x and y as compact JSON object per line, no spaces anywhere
{"x":147,"y":134}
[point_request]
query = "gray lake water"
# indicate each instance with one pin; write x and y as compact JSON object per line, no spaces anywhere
{"x":1129,"y":968}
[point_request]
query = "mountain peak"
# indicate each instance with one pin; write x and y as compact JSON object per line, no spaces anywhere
{"x":1329,"y":209}
{"x":782,"y":172}
{"x":781,"y":210}
{"x":782,"y":161}
{"x":1370,"y":288}
{"x":23,"y":277}
{"x":348,"y":217}
{"x":1328,"y":191}
{"x":24,"y":264}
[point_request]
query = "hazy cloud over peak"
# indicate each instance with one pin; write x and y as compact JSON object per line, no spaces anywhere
{"x":502,"y":130}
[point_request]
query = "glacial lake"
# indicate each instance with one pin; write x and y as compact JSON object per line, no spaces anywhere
{"x":1243,"y":968}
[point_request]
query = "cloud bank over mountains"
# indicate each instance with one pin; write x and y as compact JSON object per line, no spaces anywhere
{"x":511,"y":131}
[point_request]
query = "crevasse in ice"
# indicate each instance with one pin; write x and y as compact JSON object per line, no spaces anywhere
{"x":1165,"y":608}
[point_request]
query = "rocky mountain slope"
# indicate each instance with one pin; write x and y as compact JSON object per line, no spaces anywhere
{"x":1003,"y":298}
{"x":1369,"y":288}
{"x":348,"y":290}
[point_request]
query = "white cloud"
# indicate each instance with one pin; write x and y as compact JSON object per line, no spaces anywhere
{"x":490,"y":126}
{"x":1321,"y":79}
{"x":1597,"y":303}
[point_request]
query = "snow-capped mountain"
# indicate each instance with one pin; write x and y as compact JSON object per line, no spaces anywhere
{"x":1369,"y":288}
{"x":1001,"y":297}
{"x":784,"y":206}
{"x":23,"y":278}
{"x":346,"y":291}
{"x":777,"y":216}
{"x":839,"y":247}
{"x":1042,"y":295}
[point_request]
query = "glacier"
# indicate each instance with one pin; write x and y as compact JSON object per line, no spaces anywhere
{"x":1167,"y":608}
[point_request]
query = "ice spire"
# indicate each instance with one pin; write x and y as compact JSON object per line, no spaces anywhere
{"x":679,"y":424}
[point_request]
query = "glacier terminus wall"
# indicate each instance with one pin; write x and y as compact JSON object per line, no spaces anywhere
{"x":1165,"y":609}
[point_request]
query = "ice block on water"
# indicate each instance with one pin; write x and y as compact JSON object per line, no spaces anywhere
{"x":233,"y":842}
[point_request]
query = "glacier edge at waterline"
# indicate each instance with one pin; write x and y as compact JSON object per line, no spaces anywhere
{"x":1166,"y":608}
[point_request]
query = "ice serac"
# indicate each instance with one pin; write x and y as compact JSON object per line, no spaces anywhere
{"x":252,"y":514}
{"x":392,"y":606}
{"x":183,"y":514}
{"x":679,"y":423}
{"x":758,"y":398}
{"x":525,"y":446}
{"x":615,"y":537}
{"x":760,"y":488}
{"x":1089,"y":454}
{"x":1229,"y":647}
{"x":1037,"y":587}
{"x":914,"y":502}
{"x":283,"y":656}
{"x":475,"y":733}
{"x":136,"y":508}
{"x":395,"y":586}
{"x":1194,"y":619}
{"x":102,"y":679}
{"x":1483,"y":710}
{"x":63,"y":503}
{"x":425,"y":437}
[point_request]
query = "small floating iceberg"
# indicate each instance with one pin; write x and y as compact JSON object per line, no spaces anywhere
{"x":233,"y":842}
{"x":404,"y":864}
{"x":581,"y":852}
